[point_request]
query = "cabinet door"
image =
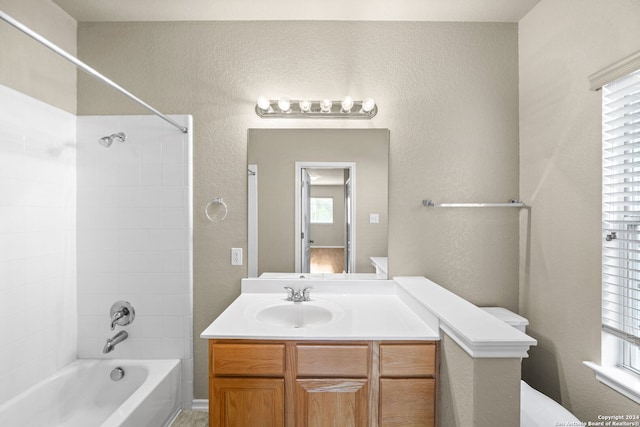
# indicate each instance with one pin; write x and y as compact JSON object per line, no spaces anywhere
{"x":407,"y":402}
{"x":247,"y":402}
{"x":331,"y":403}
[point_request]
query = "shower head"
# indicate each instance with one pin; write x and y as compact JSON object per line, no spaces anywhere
{"x":106,"y":141}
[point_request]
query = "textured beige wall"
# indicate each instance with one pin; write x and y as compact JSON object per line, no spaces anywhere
{"x":561,"y":44}
{"x":31,"y":68}
{"x":276,"y":152}
{"x":477,"y":392}
{"x":448,"y":92}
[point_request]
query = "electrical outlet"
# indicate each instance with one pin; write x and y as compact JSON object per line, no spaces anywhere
{"x":374,"y":218}
{"x":236,"y":256}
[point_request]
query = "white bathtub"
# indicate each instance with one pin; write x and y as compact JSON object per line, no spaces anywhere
{"x":82,"y":394}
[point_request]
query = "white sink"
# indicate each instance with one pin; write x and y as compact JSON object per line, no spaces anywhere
{"x":286,"y":314}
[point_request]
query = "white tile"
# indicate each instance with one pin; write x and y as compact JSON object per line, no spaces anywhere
{"x":176,"y":305}
{"x":187,"y":369}
{"x":173,"y":151}
{"x":187,"y":322}
{"x":87,"y":304}
{"x":108,"y":262}
{"x":129,"y":239}
{"x":187,"y":394}
{"x":151,"y":153}
{"x":174,"y":197}
{"x":13,"y":273}
{"x":175,"y":283}
{"x":175,"y":240}
{"x":108,"y":240}
{"x":147,"y":305}
{"x":152,"y":262}
{"x":175,"y":217}
{"x":149,"y":326}
{"x":173,"y":348}
{"x":128,"y":174}
{"x":141,"y":283}
{"x":175,"y":261}
{"x":151,"y":218}
{"x":129,"y":217}
{"x":149,"y":347}
{"x":151,"y":197}
{"x":129,"y":261}
{"x":130,"y":196}
{"x":13,"y":219}
{"x":151,"y":174}
{"x":172,"y":327}
{"x":108,"y":283}
{"x":87,"y":326}
{"x":173,"y":174}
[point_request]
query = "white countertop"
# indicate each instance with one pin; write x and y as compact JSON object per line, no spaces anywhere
{"x":479,"y":333}
{"x":406,"y":308}
{"x":368,"y":310}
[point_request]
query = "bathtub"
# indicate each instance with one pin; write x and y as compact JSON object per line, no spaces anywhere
{"x":82,"y":394}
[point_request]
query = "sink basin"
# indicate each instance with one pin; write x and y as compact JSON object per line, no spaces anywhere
{"x":298,"y":315}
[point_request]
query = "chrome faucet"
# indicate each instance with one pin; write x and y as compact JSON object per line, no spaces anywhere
{"x":113,"y":342}
{"x":298,"y":295}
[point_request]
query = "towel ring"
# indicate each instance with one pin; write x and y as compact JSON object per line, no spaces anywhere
{"x":221,"y":208}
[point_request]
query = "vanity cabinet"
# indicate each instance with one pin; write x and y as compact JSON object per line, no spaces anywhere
{"x":332,"y":385}
{"x":317,"y":384}
{"x":407,"y":385}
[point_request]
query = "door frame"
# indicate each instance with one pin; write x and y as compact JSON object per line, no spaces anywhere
{"x":298,"y":220}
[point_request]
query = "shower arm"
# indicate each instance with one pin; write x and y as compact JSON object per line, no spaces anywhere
{"x":84,"y":67}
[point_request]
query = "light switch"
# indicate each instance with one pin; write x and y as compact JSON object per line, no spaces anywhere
{"x":374,"y":218}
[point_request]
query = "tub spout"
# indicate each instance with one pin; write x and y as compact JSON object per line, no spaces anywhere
{"x":112,"y":342}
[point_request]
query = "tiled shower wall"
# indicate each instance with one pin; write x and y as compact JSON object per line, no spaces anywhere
{"x":134,"y":238}
{"x":38,"y":316}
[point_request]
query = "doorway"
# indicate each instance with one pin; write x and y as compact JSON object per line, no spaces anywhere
{"x":325,"y":212}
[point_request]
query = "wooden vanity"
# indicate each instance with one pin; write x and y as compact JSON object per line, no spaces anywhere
{"x":298,"y":383}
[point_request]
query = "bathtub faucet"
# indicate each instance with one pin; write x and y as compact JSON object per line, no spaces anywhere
{"x":112,"y":342}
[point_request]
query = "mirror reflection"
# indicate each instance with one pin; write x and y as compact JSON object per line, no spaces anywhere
{"x":318,"y":202}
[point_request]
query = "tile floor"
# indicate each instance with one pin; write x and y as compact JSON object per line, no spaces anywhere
{"x":191,"y":419}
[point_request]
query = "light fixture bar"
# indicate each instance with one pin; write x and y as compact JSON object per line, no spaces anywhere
{"x":304,"y":109}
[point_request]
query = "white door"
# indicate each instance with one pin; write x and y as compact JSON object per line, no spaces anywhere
{"x":305,"y":211}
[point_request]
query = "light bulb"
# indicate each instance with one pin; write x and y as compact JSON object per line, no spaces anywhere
{"x":305,"y":106}
{"x":368,"y":105}
{"x":263,"y":103}
{"x":284,"y":104}
{"x":326,"y":105}
{"x":346,"y":104}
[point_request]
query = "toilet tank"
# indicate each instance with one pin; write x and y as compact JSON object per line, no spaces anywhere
{"x":513,"y":319}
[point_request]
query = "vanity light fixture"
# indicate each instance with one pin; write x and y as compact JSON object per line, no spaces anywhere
{"x":284,"y":108}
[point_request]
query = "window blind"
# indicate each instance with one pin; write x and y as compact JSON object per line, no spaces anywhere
{"x":621,"y":208}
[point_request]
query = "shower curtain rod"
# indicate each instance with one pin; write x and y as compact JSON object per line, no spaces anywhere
{"x":84,"y":67}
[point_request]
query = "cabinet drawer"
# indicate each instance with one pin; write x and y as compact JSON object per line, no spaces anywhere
{"x":407,"y":402}
{"x":248,"y":359}
{"x":333,"y":360}
{"x":407,"y":360}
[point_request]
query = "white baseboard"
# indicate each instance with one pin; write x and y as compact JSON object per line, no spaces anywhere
{"x":200,"y":405}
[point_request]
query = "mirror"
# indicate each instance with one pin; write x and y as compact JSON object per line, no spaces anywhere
{"x":317,"y":202}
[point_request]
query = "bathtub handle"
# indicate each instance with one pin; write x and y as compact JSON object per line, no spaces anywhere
{"x":122,"y":313}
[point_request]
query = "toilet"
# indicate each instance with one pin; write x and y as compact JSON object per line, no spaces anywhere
{"x":536,"y":409}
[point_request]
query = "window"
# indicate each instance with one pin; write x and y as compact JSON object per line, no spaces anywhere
{"x":621,"y":220}
{"x":321,"y":210}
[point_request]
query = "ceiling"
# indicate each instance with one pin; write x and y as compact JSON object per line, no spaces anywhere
{"x":341,"y":10}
